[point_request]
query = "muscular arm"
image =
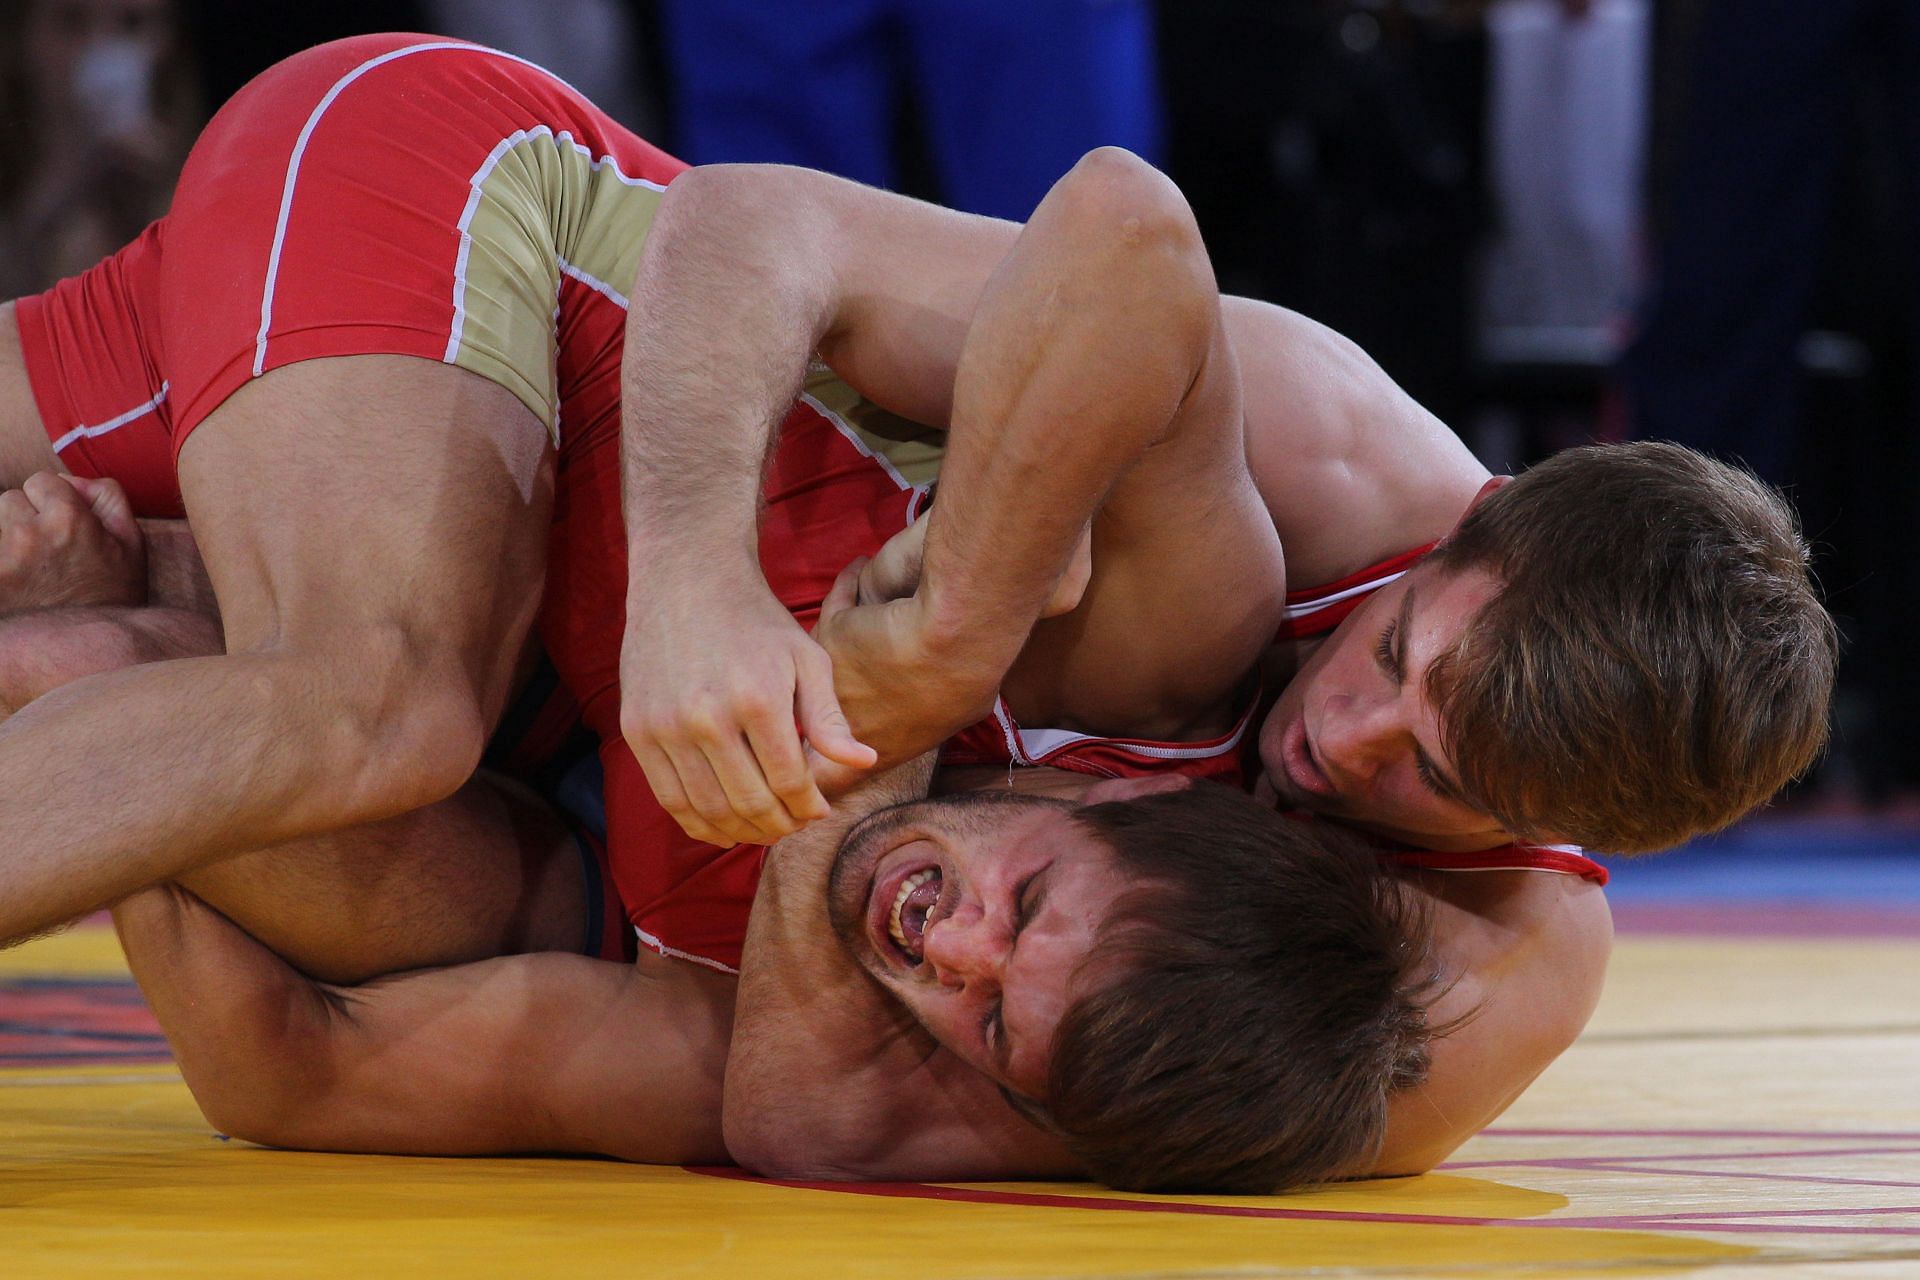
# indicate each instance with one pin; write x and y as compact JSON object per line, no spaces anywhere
{"x":828,"y":1078}
{"x":527,"y":1053}
{"x":1352,"y":468}
{"x":1531,"y":953}
{"x":749,"y":270}
{"x":1087,"y":340}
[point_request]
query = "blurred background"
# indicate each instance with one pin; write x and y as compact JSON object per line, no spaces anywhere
{"x":1551,"y":220}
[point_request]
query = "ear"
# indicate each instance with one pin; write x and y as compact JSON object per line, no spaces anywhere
{"x":1133,"y":788}
{"x":1493,"y":485}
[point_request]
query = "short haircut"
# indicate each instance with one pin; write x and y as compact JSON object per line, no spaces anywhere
{"x":1259,"y":993}
{"x":1657,"y":662}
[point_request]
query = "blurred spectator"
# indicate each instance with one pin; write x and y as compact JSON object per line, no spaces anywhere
{"x":100,"y":108}
{"x":1010,"y":92}
{"x":1566,"y":117}
{"x":1763,"y":99}
{"x":1332,"y":150}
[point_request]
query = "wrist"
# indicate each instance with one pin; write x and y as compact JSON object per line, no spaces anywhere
{"x":964,"y":651}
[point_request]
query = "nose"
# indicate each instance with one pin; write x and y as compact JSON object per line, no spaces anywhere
{"x":964,"y":949}
{"x":1358,"y":736}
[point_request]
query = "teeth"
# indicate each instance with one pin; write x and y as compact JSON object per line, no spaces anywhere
{"x":907,"y":886}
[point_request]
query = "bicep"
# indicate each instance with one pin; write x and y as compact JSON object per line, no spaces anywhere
{"x":526,"y":1053}
{"x":1351,"y":467}
{"x":1514,"y":1018}
{"x":909,"y":275}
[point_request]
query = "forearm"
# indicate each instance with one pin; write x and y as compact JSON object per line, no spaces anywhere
{"x":726,"y":313}
{"x":524,"y":1053}
{"x":749,"y":271}
{"x":1082,"y":345}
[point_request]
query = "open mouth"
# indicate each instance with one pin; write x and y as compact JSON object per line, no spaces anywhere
{"x":912,"y":906}
{"x":1303,"y":770}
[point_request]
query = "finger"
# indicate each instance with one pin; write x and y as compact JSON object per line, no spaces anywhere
{"x":110,"y":505}
{"x":845,"y":592}
{"x":49,"y":493}
{"x":775,"y":742}
{"x":754,"y":815}
{"x":821,"y":718}
{"x":708,"y":798}
{"x":15,"y":510}
{"x":664,"y":779}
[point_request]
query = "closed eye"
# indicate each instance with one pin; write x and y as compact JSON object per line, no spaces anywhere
{"x":1385,"y":654}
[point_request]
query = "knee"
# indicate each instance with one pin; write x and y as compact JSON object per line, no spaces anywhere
{"x":415,"y":725}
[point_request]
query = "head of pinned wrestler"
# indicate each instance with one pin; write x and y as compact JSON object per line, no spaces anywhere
{"x":1621,"y":648}
{"x":1193,"y":991}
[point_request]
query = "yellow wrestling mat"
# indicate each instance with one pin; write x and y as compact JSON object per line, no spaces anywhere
{"x":1739,"y":1108}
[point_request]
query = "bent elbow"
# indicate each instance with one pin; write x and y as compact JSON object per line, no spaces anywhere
{"x":1138,"y":220}
{"x":792,"y":1152}
{"x":251,"y":1108}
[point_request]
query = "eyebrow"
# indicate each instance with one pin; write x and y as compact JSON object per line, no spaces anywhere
{"x":1402,"y":629}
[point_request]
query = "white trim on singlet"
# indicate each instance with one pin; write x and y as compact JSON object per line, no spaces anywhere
{"x":300,"y":151}
{"x":112,"y":424}
{"x":853,"y":438}
{"x":599,"y":286}
{"x":654,"y":944}
{"x":1307,"y":608}
{"x":1033,"y":746}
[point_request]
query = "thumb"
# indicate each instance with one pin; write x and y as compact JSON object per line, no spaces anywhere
{"x":844,"y":593}
{"x":822,"y":721}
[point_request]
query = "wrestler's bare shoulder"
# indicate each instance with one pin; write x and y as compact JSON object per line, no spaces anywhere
{"x":1522,"y":958}
{"x":1353,"y":469}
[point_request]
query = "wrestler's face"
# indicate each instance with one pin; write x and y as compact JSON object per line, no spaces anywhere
{"x":1355,"y":736}
{"x":976,"y":912}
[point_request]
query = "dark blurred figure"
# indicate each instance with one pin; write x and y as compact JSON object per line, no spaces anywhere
{"x":236,"y":40}
{"x":1333,"y":152}
{"x":1787,"y":122}
{"x":99,"y":107}
{"x":1009,"y":92}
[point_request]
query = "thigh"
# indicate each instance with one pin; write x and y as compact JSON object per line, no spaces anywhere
{"x":383,"y":516}
{"x":490,"y":871}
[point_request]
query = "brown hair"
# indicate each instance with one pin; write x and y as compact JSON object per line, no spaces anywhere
{"x":1657,"y":662}
{"x":1270,"y":993}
